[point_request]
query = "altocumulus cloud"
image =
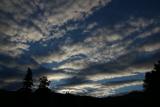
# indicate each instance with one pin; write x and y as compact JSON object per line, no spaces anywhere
{"x":87,"y":47}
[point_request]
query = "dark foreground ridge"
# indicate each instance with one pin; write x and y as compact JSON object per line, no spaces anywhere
{"x":44,"y":97}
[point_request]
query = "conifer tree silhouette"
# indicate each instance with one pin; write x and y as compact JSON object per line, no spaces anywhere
{"x":152,"y":79}
{"x":28,"y":81}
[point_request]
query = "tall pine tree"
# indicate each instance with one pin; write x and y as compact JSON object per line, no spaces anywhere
{"x":28,"y":81}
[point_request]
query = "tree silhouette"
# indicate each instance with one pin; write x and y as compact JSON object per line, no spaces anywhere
{"x":152,"y":79}
{"x":28,"y":81}
{"x":43,"y":91}
{"x":44,"y":83}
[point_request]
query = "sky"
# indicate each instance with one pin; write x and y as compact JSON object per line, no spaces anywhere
{"x":85,"y":47}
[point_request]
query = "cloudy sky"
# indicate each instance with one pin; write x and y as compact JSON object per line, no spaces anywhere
{"x":87,"y":47}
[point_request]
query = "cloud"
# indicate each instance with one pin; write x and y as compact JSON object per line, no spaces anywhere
{"x":80,"y":46}
{"x":13,"y":49}
{"x":105,"y":49}
{"x":150,"y":47}
{"x":31,"y":21}
{"x":58,"y":76}
{"x":103,"y":76}
{"x":98,"y":90}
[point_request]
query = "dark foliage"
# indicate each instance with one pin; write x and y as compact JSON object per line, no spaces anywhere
{"x":43,"y":87}
{"x":152,"y":79}
{"x":44,"y":83}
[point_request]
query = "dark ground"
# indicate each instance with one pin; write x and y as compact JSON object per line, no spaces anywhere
{"x":51,"y":99}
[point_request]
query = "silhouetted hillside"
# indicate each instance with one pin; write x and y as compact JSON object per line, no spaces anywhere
{"x":44,"y":98}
